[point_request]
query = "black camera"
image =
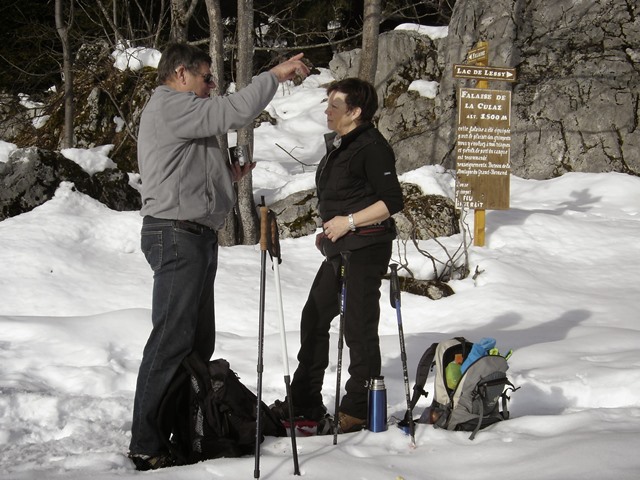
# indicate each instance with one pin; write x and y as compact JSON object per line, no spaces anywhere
{"x":240,"y":154}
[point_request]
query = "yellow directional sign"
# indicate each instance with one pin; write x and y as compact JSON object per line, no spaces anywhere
{"x":478,"y":72}
{"x":478,"y":55}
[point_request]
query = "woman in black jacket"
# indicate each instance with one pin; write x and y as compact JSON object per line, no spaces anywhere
{"x":358,"y":191}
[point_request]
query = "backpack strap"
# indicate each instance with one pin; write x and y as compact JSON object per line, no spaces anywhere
{"x":464,"y":342}
{"x":422,"y":372}
{"x":195,"y":366}
{"x":505,"y":398}
{"x":475,"y":430}
{"x":481,"y":391}
{"x":199,"y":371}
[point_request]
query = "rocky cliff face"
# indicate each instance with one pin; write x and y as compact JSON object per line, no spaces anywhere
{"x":575,"y":106}
{"x":576,"y":102}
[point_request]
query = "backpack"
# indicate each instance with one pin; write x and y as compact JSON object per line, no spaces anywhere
{"x":480,"y":397}
{"x":208,"y":413}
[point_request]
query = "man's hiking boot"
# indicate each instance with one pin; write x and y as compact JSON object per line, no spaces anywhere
{"x":280,"y":409}
{"x":346,"y":424}
{"x":148,"y":462}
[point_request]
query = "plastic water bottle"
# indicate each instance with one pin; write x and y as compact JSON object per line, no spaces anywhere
{"x":453,"y":372}
{"x":377,"y":417}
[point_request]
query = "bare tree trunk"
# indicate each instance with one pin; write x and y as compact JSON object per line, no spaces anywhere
{"x":248,"y":229}
{"x":152,"y":15}
{"x":112,"y":21}
{"x":161,"y":23}
{"x":226,"y":236}
{"x":62,"y":26}
{"x":216,"y":44}
{"x":126,"y":6}
{"x":180,"y":17}
{"x":370,"y":32}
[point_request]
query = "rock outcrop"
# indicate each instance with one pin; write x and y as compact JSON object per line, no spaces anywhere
{"x":576,"y":102}
{"x":31,"y":176}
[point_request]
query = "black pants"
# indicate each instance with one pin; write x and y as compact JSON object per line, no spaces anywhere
{"x":362,"y":315}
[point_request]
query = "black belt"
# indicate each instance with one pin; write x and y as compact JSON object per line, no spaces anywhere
{"x":186,"y":225}
{"x":370,"y":230}
{"x":192,"y":227}
{"x":375,"y":229}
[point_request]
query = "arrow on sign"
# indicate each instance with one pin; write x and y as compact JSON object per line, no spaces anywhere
{"x":477,"y":55}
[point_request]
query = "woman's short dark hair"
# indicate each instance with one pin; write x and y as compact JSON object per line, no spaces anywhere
{"x":358,"y":93}
{"x":176,"y":54}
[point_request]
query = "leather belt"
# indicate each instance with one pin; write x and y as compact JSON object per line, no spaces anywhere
{"x":192,"y":227}
{"x":374,"y":229}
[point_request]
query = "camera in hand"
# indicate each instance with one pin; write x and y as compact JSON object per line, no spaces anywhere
{"x":240,"y":154}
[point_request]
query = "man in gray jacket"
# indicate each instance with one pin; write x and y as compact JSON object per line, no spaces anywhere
{"x":187,"y":192}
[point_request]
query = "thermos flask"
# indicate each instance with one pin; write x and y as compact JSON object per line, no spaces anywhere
{"x":377,"y":417}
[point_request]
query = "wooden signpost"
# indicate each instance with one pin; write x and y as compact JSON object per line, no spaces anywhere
{"x":483,"y":145}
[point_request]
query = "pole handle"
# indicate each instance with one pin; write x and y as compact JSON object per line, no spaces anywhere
{"x":273,"y":237}
{"x":395,"y":286}
{"x":344,"y":267}
{"x":264,"y":226}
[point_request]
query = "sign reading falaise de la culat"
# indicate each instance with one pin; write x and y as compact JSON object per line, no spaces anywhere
{"x":483,"y":148}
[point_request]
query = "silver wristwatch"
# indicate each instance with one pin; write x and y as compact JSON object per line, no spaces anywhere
{"x":352,"y":225}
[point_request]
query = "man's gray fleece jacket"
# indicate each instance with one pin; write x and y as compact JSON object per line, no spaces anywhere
{"x":183,"y":171}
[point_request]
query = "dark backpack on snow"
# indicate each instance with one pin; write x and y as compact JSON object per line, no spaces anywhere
{"x":480,"y":398}
{"x":208,"y":413}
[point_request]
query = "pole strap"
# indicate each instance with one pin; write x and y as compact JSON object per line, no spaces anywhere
{"x":394,"y":292}
{"x":269,"y":232}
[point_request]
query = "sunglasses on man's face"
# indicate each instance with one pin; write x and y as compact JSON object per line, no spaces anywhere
{"x":208,"y":78}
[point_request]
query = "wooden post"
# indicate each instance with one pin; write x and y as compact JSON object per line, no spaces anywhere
{"x":479,"y":219}
{"x":479,"y":223}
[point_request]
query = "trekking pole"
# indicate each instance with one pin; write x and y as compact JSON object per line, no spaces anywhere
{"x":395,"y":303}
{"x":274,"y":252}
{"x":344,"y":273}
{"x":260,"y":367}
